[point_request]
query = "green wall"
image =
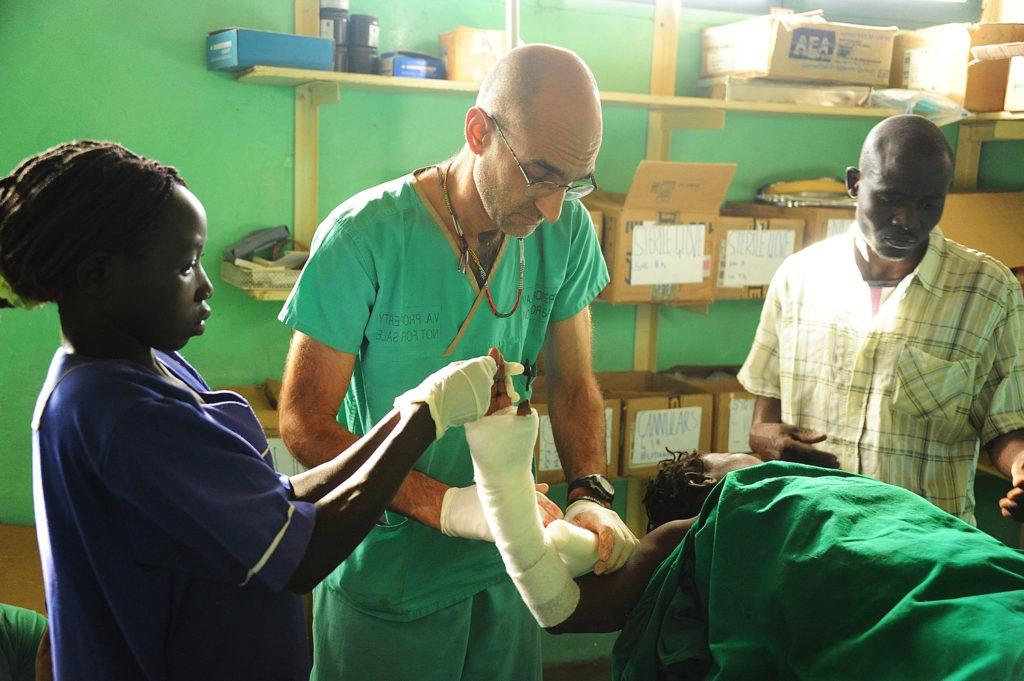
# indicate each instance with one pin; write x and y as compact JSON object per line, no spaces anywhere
{"x":134,"y":72}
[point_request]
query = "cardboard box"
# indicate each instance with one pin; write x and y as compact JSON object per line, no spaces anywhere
{"x":263,"y":399}
{"x":798,"y":47}
{"x":938,"y":59}
{"x":236,"y":49}
{"x":597,"y":219}
{"x":749,"y":251}
{"x":256,"y":396}
{"x":659,"y":239}
{"x":408,"y":64}
{"x":548,"y":465}
{"x":468,"y":53}
{"x":733,"y":405}
{"x":657,"y":412}
{"x":1014,"y":100}
{"x":990,"y":222}
{"x":820,"y":223}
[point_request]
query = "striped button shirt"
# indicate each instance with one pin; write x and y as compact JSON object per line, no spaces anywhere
{"x":905,"y":395}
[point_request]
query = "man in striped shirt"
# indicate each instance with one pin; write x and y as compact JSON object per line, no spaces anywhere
{"x":897,"y":348}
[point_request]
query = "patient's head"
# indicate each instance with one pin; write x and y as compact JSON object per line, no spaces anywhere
{"x":684,"y":481}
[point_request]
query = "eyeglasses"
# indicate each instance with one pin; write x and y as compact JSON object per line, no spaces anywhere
{"x":541,"y":189}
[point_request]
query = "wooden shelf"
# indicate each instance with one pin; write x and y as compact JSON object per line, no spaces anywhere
{"x":273,"y":75}
{"x":995,"y":116}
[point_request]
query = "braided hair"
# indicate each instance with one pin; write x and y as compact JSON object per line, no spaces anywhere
{"x":669,"y":495}
{"x":69,"y":202}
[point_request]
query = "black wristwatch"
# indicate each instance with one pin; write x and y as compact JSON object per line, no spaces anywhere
{"x":596,"y":485}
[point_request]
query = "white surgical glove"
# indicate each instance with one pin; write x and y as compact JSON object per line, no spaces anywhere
{"x":455,"y":394}
{"x":615,"y":542}
{"x":463,"y":516}
{"x":502,"y":449}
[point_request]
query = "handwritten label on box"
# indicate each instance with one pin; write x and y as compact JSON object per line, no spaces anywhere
{"x":667,"y":254}
{"x":656,"y":429}
{"x":837,"y":226}
{"x":549,"y":460}
{"x":741,"y":415}
{"x":751,"y":256}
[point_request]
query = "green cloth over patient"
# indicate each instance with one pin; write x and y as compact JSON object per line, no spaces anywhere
{"x":792,"y":571}
{"x":20,"y":632}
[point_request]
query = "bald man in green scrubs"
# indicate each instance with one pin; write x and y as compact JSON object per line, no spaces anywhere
{"x":489,"y":248}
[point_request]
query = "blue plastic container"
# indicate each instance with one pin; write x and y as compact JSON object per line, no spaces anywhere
{"x":236,"y":49}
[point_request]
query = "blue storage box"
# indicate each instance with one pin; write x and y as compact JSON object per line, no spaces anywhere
{"x":235,"y":49}
{"x":410,"y":64}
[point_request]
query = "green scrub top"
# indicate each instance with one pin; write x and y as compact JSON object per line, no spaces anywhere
{"x":383,"y":283}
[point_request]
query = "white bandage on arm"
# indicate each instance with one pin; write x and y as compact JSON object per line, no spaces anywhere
{"x":576,"y":545}
{"x":502,"y":449}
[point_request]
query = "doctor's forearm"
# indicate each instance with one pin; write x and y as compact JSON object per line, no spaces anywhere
{"x":419,"y":498}
{"x":314,"y":439}
{"x":577,"y":423}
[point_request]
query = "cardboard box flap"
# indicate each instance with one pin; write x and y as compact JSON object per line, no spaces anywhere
{"x":994,"y":33}
{"x":679,"y":187}
{"x":997,"y":52}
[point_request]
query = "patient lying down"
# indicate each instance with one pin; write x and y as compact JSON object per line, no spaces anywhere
{"x":768,"y":570}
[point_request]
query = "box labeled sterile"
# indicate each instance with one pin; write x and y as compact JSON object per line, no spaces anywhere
{"x":802,"y":46}
{"x":749,"y":251}
{"x":820,"y":222}
{"x":236,"y":49}
{"x":658,"y":239}
{"x":408,"y":64}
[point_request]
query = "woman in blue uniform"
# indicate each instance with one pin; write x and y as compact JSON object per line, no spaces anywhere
{"x":170,"y":548}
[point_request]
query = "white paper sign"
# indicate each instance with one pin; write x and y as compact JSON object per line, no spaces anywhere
{"x":741,"y":415}
{"x":837,"y":226}
{"x":751,"y":256}
{"x":656,"y":429}
{"x":284,"y":462}
{"x":549,"y":460}
{"x":667,"y":254}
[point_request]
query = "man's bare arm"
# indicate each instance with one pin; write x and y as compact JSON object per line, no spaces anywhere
{"x":574,"y":400}
{"x":1007,"y":454}
{"x":773,"y":440}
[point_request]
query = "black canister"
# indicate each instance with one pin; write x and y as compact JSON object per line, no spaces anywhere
{"x":340,"y":58}
{"x":334,"y":20}
{"x":363,"y":31}
{"x":362,"y":59}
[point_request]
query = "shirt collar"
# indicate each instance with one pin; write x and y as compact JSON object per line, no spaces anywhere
{"x":928,"y":270}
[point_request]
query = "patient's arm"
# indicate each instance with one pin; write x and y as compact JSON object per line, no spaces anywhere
{"x":606,"y":600}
